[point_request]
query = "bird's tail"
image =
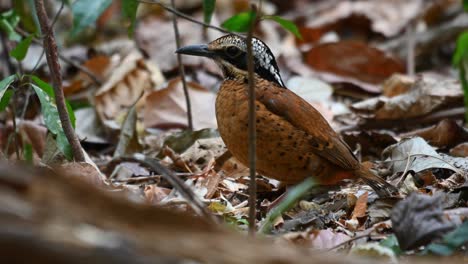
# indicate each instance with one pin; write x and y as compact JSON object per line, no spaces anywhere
{"x":380,"y":186}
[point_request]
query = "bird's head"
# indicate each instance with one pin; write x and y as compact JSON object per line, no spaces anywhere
{"x":230,"y":53}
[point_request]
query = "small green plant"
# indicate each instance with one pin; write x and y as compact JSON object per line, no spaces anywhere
{"x":8,"y":22}
{"x":460,"y":61}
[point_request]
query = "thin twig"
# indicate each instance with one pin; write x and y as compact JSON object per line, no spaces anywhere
{"x":50,"y":47}
{"x":189,"y":18}
{"x":57,"y":15}
{"x":181,"y":69}
{"x":410,"y":46}
{"x":6,"y":55}
{"x":405,"y":172}
{"x":252,"y":128}
{"x":11,"y":70}
{"x":15,"y":127}
{"x":179,"y":185}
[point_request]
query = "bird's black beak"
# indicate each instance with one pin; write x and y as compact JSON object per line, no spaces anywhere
{"x":196,"y":50}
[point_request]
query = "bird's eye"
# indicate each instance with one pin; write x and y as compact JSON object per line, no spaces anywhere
{"x":232,"y":51}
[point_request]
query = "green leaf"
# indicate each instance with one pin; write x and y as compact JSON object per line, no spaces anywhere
{"x":292,"y":196}
{"x":86,"y":12}
{"x":129,"y":9}
{"x":451,"y":242}
{"x":286,"y":24}
{"x":27,"y":153}
{"x":391,"y":242}
{"x":208,"y":9}
{"x":461,"y":49}
{"x":6,"y":99}
{"x":19,"y":52}
{"x":5,"y":83}
{"x":8,"y":22}
{"x":26,"y":11}
{"x":52,"y":120}
{"x":49,"y":90}
{"x":240,"y":22}
{"x":465,"y":5}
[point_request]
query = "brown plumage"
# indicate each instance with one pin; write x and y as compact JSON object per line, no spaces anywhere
{"x":294,"y":141}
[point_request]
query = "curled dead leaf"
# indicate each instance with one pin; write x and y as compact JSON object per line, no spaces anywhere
{"x":426,"y":96}
{"x":128,"y":81}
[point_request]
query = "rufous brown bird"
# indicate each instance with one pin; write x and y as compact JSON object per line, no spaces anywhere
{"x":294,"y":141}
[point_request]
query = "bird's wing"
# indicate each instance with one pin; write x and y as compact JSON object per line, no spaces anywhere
{"x":324,"y":140}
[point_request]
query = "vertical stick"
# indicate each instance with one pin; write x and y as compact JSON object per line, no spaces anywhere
{"x":50,"y":47}
{"x":410,"y":46}
{"x":181,"y":69}
{"x":252,"y":128}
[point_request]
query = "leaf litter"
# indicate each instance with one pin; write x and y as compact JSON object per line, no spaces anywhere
{"x":328,"y":68}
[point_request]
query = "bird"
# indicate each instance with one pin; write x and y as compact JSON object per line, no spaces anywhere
{"x":294,"y":141}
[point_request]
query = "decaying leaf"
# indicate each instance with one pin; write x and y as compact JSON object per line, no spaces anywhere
{"x":427,"y":95}
{"x":397,"y":84}
{"x":88,"y":127}
{"x":161,"y":49}
{"x":381,"y":209}
{"x":423,"y":215}
{"x":155,"y":194}
{"x":386,"y":17}
{"x":204,"y":150}
{"x":447,"y":133}
{"x":460,"y":150}
{"x":166,"y":108}
{"x":360,"y":207}
{"x":128,"y":81}
{"x":85,"y":171}
{"x":418,"y":153}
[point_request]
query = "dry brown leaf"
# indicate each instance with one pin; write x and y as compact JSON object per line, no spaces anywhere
{"x":155,"y":194}
{"x":128,"y":81}
{"x":371,"y":142}
{"x":99,"y":65}
{"x":460,"y":150}
{"x":33,"y":134}
{"x":354,"y":61}
{"x":386,"y":17}
{"x":397,"y":84}
{"x":426,"y":96}
{"x":361,"y":207}
{"x":166,"y":108}
{"x":447,"y":133}
{"x":160,"y":44}
{"x":84,"y":171}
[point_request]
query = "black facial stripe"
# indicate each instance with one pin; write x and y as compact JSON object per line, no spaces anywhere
{"x":240,"y":62}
